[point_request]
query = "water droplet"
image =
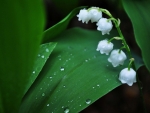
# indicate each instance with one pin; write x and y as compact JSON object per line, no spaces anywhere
{"x":43,"y":94}
{"x":42,"y":56}
{"x":86,"y":60}
{"x":47,"y":104}
{"x":66,"y":110}
{"x":64,"y":86}
{"x":62,"y":69}
{"x":33,"y":72}
{"x":88,"y":101}
{"x":47,"y":50}
{"x":94,"y":56}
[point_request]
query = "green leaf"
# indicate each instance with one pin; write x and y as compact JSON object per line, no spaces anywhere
{"x":43,"y":54}
{"x":138,"y":12}
{"x":65,"y":6}
{"x":21,"y":27}
{"x":61,"y":26}
{"x":75,"y":75}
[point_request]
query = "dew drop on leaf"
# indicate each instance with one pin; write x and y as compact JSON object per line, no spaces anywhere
{"x":47,"y":104}
{"x":86,"y":60}
{"x":43,"y":94}
{"x":42,"y":56}
{"x":47,"y":50}
{"x":98,"y":85}
{"x":94,"y":56}
{"x":62,"y":69}
{"x":66,"y":110}
{"x":88,"y":101}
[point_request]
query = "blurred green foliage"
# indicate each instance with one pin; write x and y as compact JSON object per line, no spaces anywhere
{"x":21,"y":27}
{"x":138,"y":12}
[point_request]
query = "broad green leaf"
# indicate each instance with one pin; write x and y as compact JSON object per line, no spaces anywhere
{"x":43,"y":54}
{"x":65,"y":6}
{"x":61,"y":26}
{"x":21,"y":27}
{"x":75,"y":75}
{"x":138,"y":12}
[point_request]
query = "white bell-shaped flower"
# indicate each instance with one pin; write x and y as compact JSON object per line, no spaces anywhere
{"x":117,"y":58}
{"x":84,"y":16}
{"x":127,"y":76}
{"x":104,"y":47}
{"x":104,"y":25}
{"x":95,"y":14}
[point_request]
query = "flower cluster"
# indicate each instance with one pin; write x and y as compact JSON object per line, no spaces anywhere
{"x":95,"y":15}
{"x":117,"y":56}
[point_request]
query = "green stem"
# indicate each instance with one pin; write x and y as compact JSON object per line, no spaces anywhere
{"x":121,"y":49}
{"x":124,"y":42}
{"x":111,"y":40}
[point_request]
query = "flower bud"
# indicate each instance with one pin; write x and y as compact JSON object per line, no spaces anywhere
{"x":95,"y":14}
{"x":104,"y":47}
{"x":127,"y":76}
{"x":104,"y":25}
{"x":84,"y":16}
{"x":117,"y":58}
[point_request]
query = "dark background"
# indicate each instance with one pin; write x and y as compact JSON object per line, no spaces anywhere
{"x":124,"y":99}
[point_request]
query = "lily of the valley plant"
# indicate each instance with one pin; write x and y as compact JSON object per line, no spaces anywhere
{"x":117,"y":56}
